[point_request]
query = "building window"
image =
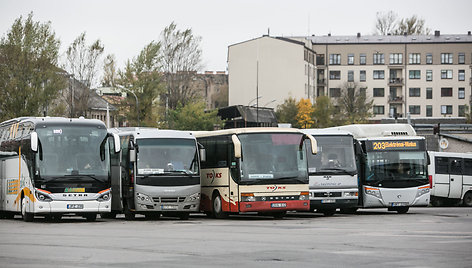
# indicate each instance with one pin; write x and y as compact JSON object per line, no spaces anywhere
{"x":429,"y":93}
{"x":429,"y":110}
{"x":461,"y":93}
{"x":446,"y":92}
{"x":379,"y":109}
{"x":461,"y":58}
{"x":446,"y":74}
{"x":415,"y":74}
{"x":414,"y":58}
{"x":335,"y":92}
{"x":446,"y":109}
{"x":429,"y":75}
{"x":461,"y":75}
{"x":362,"y":59}
{"x":379,"y":92}
{"x":350,"y":76}
{"x":334,"y":75}
{"x":446,"y":58}
{"x":379,"y":58}
{"x":362,"y":76}
{"x":414,"y":109}
{"x":429,"y":58}
{"x":334,"y":59}
{"x":415,"y":92}
{"x":396,"y":58}
{"x":350,"y":59}
{"x":462,"y":110}
{"x":379,"y":74}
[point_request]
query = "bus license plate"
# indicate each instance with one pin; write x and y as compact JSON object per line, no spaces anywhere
{"x":328,"y":201}
{"x":75,"y":206}
{"x":399,"y":204}
{"x":168,"y":207}
{"x":278,"y":205}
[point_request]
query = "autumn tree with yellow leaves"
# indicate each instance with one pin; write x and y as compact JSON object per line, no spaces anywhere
{"x":305,"y":113}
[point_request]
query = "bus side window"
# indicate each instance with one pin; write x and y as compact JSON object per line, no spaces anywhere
{"x":467,"y":166}
{"x":456,"y":166}
{"x":442,"y":165}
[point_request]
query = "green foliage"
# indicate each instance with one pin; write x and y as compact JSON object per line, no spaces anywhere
{"x":354,"y":105}
{"x":142,"y":77}
{"x":193,"y":117}
{"x":325,"y":114}
{"x":29,"y":78}
{"x":305,"y":113}
{"x":287,"y":112}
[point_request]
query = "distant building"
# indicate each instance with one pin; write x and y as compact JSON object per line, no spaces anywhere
{"x":239,"y":116}
{"x":213,"y":88}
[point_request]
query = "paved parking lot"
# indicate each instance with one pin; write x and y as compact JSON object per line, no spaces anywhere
{"x":425,"y":237}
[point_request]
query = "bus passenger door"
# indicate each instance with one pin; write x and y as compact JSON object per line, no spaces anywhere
{"x":233,"y":186}
{"x":455,"y":177}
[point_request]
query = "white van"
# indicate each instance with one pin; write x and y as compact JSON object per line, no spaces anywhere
{"x":450,"y":175}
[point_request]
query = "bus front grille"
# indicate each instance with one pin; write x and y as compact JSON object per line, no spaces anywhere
{"x":169,"y":199}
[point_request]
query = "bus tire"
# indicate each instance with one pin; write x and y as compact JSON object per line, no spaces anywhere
{"x":108,"y":215}
{"x":152,"y":216}
{"x":129,"y":215}
{"x":184,"y":215}
{"x":436,"y":202}
{"x":402,"y":210}
{"x":218,"y":207}
{"x":467,"y":199}
{"x":327,"y":212}
{"x":28,"y":217}
{"x":91,"y":217}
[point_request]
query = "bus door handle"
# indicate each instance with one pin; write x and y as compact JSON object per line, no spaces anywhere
{"x":452,"y":179}
{"x":231,"y":193}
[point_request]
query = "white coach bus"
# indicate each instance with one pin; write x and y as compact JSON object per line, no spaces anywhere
{"x":451,"y":178}
{"x":158,"y":173}
{"x":54,"y":167}
{"x":393,"y":166}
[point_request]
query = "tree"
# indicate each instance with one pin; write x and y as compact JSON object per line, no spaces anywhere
{"x":287,"y":112}
{"x":110,"y":74}
{"x":193,"y":117}
{"x":29,"y":78}
{"x":81,"y":63}
{"x":181,"y":59}
{"x":354,"y":105}
{"x":142,"y":78}
{"x":389,"y":24}
{"x":324,"y":112}
{"x":305,"y":114}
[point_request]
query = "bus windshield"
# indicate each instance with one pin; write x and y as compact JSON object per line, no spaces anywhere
{"x":272,"y":157}
{"x":396,"y":166}
{"x":73,"y":150}
{"x":335,"y":156}
{"x":167,"y":155}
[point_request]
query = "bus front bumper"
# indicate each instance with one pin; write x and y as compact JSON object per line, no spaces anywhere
{"x":263,"y":206}
{"x":76,"y":206}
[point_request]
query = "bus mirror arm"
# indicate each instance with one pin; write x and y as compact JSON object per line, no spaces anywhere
{"x":314,"y":144}
{"x":132,"y":155}
{"x":202,"y":154}
{"x":237,"y":146}
{"x":34,"y":142}
{"x":116,"y":140}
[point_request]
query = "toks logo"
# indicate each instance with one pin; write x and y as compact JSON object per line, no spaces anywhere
{"x":213,"y":175}
{"x":275,"y":188}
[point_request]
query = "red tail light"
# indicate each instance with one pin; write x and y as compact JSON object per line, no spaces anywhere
{"x":430,"y":177}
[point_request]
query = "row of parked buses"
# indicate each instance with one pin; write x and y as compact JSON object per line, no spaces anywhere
{"x":53,"y":167}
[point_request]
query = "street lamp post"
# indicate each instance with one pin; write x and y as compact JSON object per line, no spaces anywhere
{"x":136,"y":97}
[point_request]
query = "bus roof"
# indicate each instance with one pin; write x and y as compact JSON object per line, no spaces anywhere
{"x":149,"y":133}
{"x":246,"y":131}
{"x":54,"y":120}
{"x":377,"y":130}
{"x":323,"y":131}
{"x":451,"y":154}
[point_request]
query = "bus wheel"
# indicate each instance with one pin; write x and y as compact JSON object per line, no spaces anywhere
{"x":328,"y":212}
{"x":279,"y":215}
{"x":129,"y":215}
{"x":152,"y":216}
{"x":402,"y":210}
{"x":467,"y":199}
{"x":184,"y":215}
{"x":218,"y":207}
{"x":436,"y":202}
{"x":108,"y":215}
{"x":91,"y":217}
{"x":26,"y":216}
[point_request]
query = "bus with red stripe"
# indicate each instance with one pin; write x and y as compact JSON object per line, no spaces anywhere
{"x":261,"y":170}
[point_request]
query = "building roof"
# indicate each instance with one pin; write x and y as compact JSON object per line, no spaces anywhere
{"x":389,"y":39}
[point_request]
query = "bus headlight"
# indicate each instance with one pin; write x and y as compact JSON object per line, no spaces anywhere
{"x":193,"y":197}
{"x":43,"y":195}
{"x":373,"y":191}
{"x":247,"y":197}
{"x":104,"y":195}
{"x":143,"y":198}
{"x":422,"y":190}
{"x":304,"y":196}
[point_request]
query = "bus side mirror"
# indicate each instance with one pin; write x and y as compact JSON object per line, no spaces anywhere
{"x":132,"y":155}
{"x":314,"y":144}
{"x":202,"y":154}
{"x":237,"y":146}
{"x":116,"y":140}
{"x":34,"y":142}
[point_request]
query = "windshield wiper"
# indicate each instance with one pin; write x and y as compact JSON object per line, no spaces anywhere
{"x":352,"y":173}
{"x":275,"y":180}
{"x":186,"y":172}
{"x":92,"y":176}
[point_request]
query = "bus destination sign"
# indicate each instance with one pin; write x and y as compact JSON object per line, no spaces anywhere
{"x":394,"y":145}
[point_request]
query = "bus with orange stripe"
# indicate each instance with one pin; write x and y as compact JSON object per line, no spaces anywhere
{"x":393,"y":166}
{"x":52,"y":166}
{"x":261,"y":170}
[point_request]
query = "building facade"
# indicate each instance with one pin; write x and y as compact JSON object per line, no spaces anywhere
{"x":420,"y":76}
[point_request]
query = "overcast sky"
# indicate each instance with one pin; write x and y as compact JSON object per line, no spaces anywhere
{"x":125,"y":27}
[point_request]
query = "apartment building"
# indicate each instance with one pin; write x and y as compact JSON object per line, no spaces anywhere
{"x":265,"y":71}
{"x":424,"y":76}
